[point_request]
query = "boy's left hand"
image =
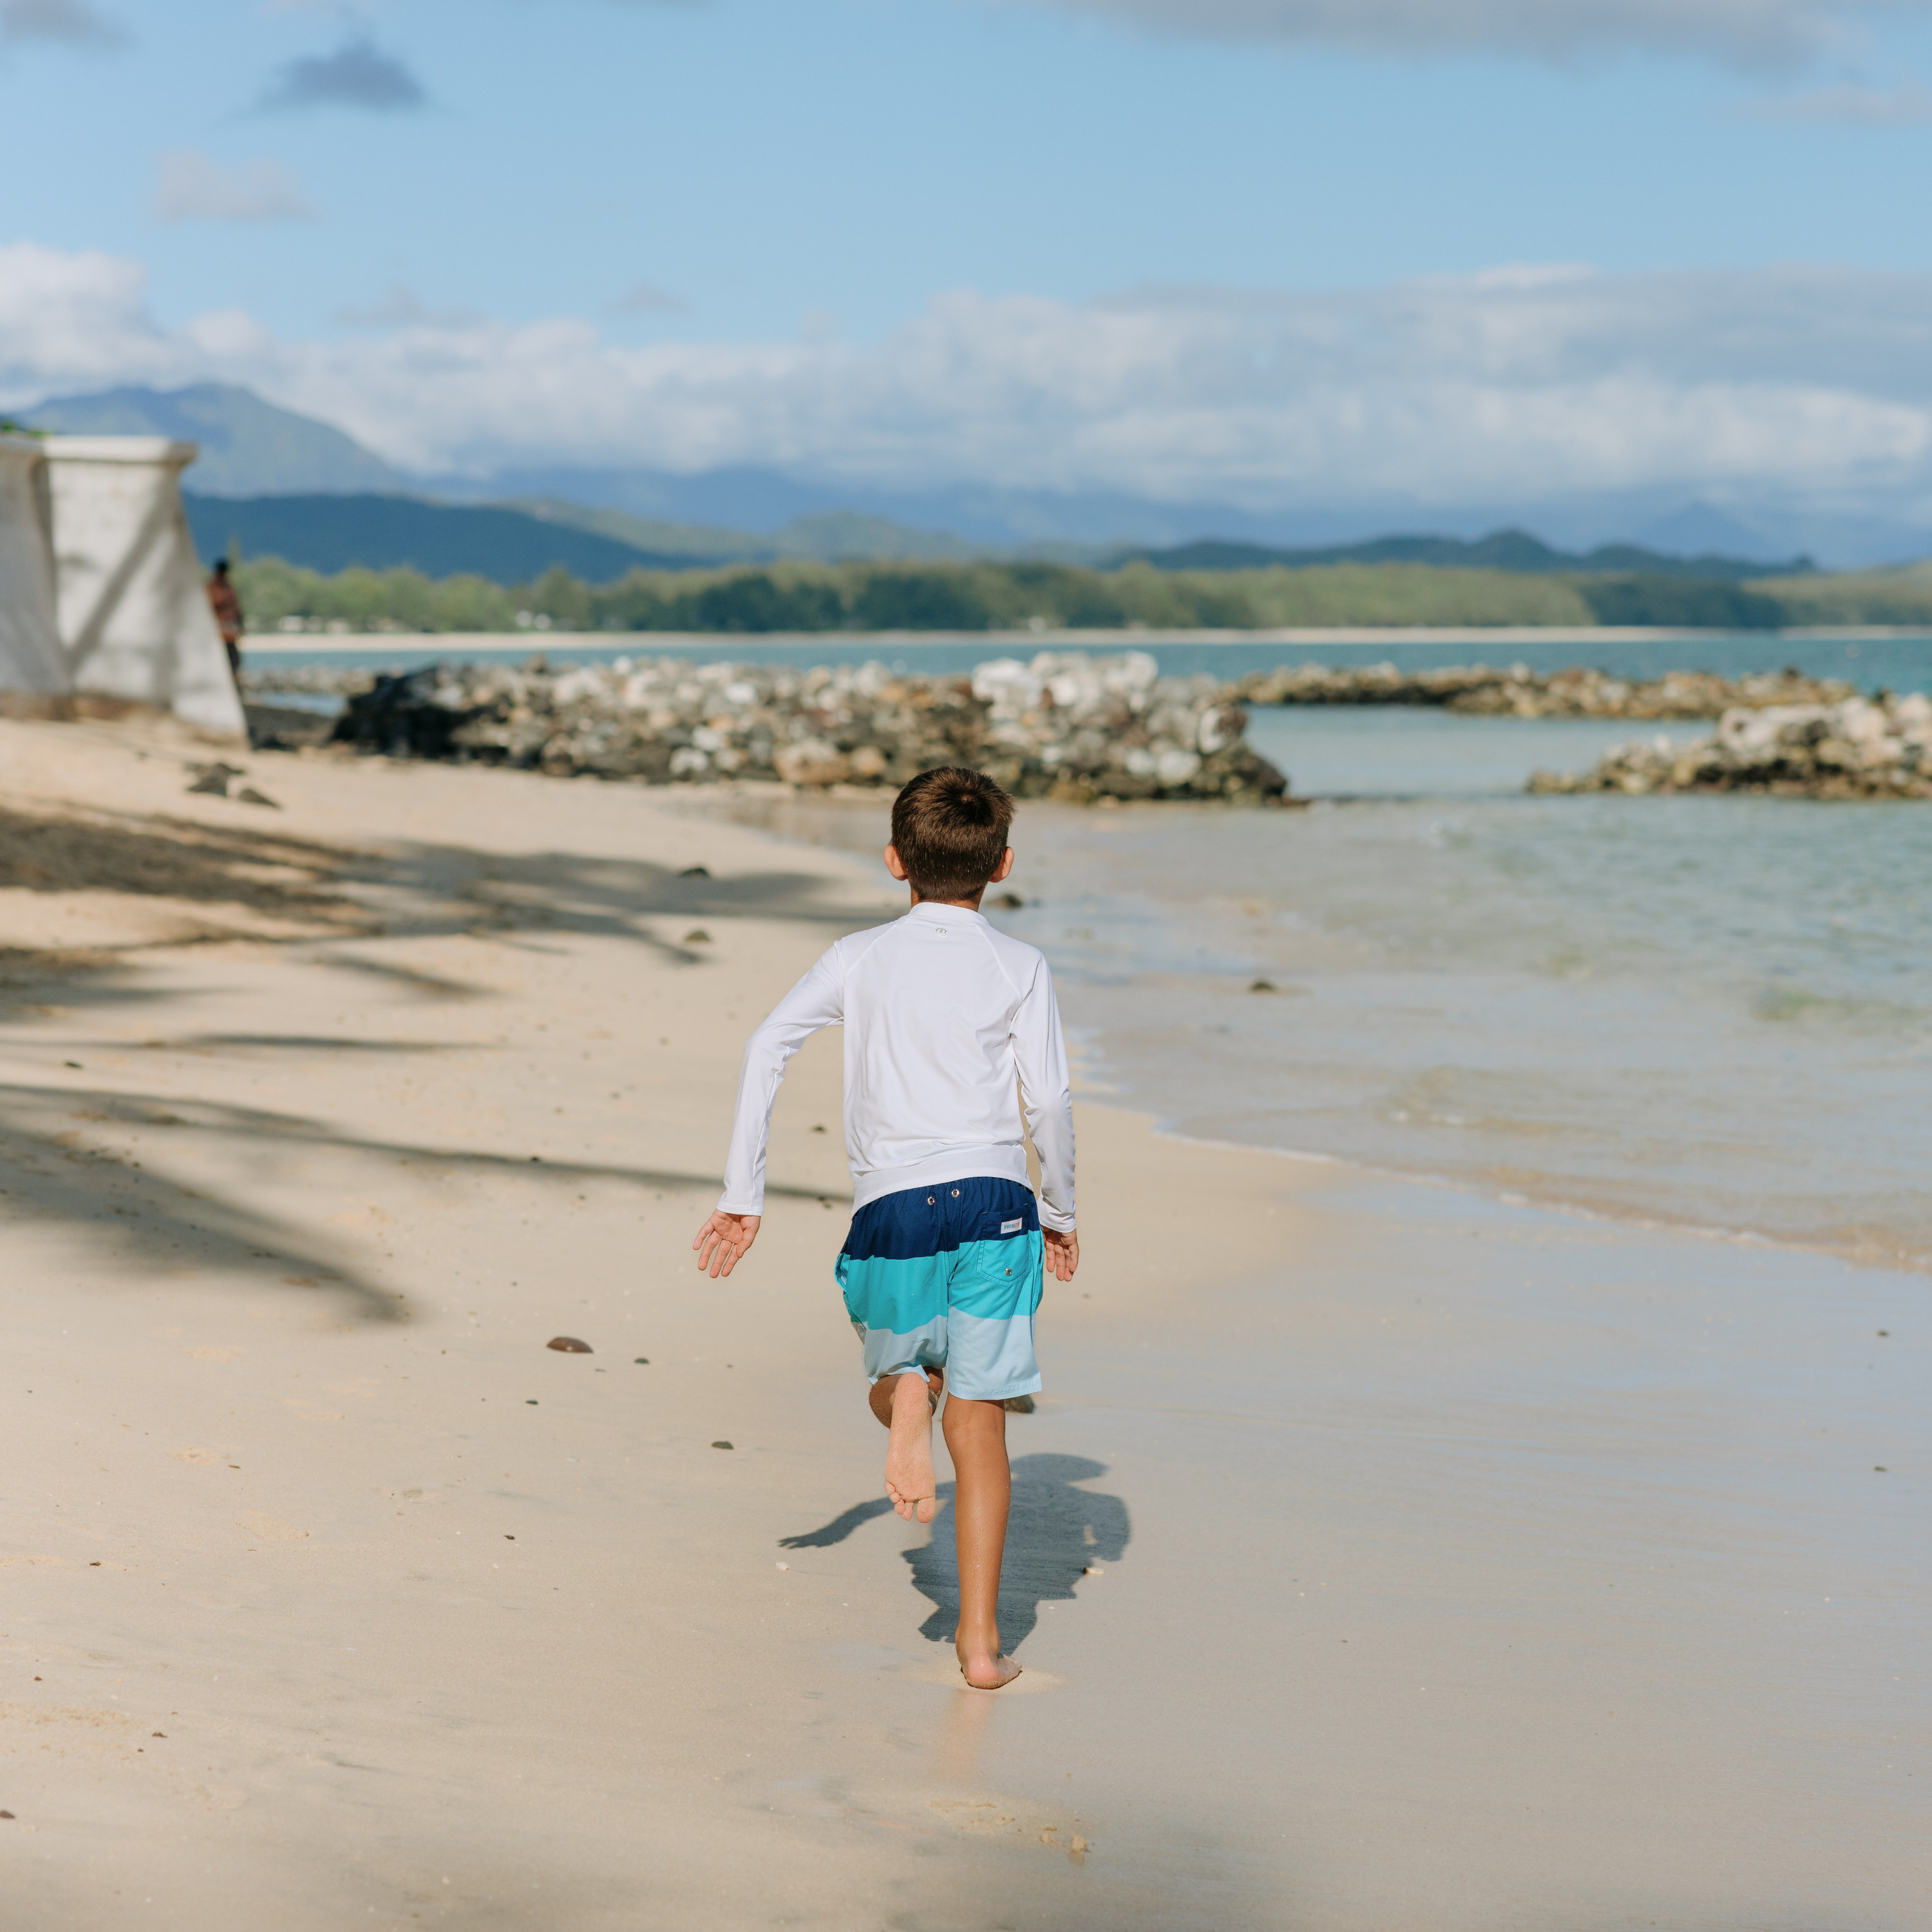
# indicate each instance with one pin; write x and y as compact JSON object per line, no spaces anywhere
{"x":724,"y":1241}
{"x":1063,"y":1253}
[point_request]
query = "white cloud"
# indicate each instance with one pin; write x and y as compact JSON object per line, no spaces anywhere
{"x":1522,"y":385}
{"x":1849,"y":105}
{"x":71,"y":321}
{"x":1748,"y":33}
{"x":192,"y":187}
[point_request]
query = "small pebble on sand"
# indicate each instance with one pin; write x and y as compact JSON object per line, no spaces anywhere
{"x":642,"y":1361}
{"x":1262,"y":986}
{"x":569,"y":1344}
{"x":697,"y":936}
{"x":720,"y":1445}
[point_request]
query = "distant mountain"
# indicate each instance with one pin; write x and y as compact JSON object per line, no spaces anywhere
{"x":966,"y":519}
{"x":1703,"y":529}
{"x":330,"y":533}
{"x":696,"y":544}
{"x":1514,"y":551}
{"x":826,"y":536}
{"x":249,"y":448}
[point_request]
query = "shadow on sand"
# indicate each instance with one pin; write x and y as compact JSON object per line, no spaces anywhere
{"x":73,"y":1153}
{"x":1056,"y":1530}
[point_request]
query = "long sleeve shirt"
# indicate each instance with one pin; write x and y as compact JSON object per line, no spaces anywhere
{"x":951,"y":1028}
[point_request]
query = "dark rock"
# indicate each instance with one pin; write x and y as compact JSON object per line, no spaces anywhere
{"x":569,"y":1344}
{"x":695,"y":872}
{"x":286,"y":728}
{"x":720,"y":1445}
{"x":248,"y":795}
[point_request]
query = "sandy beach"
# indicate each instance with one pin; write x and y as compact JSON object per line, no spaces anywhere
{"x":1385,"y":1558}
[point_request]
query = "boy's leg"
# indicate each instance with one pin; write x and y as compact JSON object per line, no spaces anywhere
{"x":976,"y":1434}
{"x":905,"y":1403}
{"x":879,"y":1396}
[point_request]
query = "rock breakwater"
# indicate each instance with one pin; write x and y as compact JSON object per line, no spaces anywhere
{"x":1859,"y":748}
{"x":1515,"y":691}
{"x":1061,"y":725}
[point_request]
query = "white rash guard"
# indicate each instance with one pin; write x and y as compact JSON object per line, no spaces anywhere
{"x":949,"y":1025}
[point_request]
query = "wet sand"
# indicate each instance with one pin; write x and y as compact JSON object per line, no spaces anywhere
{"x":1382,"y":1558}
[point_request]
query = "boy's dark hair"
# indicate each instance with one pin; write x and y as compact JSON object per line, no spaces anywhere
{"x":949,"y":826}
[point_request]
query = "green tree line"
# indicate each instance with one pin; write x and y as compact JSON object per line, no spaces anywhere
{"x":987,"y":596}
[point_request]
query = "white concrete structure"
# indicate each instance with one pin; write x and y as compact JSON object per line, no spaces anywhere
{"x":32,"y":665}
{"x":134,"y":620}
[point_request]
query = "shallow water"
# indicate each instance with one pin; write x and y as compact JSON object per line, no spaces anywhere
{"x":1711,"y":1011}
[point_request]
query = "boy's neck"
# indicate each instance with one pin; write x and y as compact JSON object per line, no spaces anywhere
{"x":964,"y":905}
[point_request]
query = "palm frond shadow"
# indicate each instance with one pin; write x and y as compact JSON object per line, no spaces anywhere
{"x":119,"y":1201}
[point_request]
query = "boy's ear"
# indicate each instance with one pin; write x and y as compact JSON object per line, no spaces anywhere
{"x":896,"y":865}
{"x":1005,"y":866}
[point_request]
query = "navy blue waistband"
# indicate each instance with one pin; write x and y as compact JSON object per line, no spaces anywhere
{"x":922,"y":1221}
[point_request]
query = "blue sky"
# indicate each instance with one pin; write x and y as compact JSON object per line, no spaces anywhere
{"x":810,"y":210}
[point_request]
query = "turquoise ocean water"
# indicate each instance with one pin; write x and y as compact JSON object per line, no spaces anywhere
{"x":1715,"y":1012}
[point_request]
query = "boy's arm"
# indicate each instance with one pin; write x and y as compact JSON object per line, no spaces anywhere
{"x":1046,"y":1092}
{"x":817,"y":1001}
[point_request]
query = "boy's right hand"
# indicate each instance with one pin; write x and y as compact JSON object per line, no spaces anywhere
{"x":1063,"y":1253}
{"x":724,"y":1241}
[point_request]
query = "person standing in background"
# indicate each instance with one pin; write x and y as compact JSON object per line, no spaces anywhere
{"x":227,"y":605}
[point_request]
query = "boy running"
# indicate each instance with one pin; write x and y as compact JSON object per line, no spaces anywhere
{"x":951,"y":1028}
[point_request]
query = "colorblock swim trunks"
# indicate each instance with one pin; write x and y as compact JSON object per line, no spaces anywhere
{"x":949,"y":1277}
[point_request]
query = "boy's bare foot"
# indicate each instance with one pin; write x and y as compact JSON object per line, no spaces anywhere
{"x":909,"y":1480}
{"x":984,"y":1671}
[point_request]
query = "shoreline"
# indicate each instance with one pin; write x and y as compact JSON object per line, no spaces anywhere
{"x":1520,"y":1574}
{"x":1898,"y":1261}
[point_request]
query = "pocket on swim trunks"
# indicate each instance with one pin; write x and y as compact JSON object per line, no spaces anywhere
{"x":998,"y":1273}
